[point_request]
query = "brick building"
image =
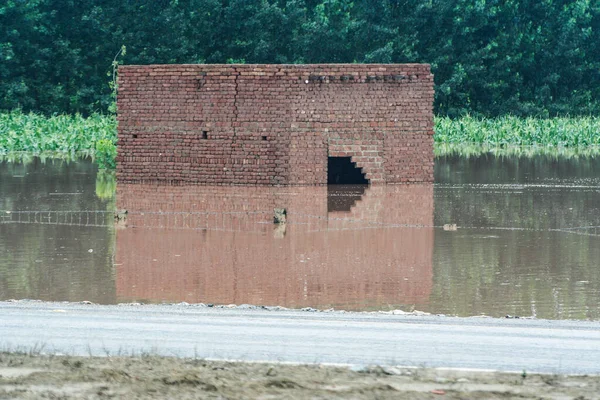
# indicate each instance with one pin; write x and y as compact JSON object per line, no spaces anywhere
{"x":275,"y":124}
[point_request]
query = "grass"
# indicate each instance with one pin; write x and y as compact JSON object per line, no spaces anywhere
{"x":69,"y":136}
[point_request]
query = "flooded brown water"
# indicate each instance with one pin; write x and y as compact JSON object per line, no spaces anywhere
{"x":494,"y":236}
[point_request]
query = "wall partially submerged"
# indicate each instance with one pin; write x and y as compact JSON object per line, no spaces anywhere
{"x":274,"y":124}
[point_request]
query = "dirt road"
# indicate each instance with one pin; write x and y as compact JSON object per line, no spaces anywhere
{"x":63,"y":377}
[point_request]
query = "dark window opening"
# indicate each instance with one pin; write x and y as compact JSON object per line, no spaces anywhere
{"x":134,"y":136}
{"x":204,"y":134}
{"x":342,"y":171}
{"x":264,"y":138}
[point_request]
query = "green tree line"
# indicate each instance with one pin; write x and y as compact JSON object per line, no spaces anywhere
{"x":490,"y":57}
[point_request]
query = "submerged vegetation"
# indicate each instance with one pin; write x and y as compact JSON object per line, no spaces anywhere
{"x":467,"y":150}
{"x":25,"y":135}
{"x":106,"y":185}
{"x":61,"y":136}
{"x":514,"y":136}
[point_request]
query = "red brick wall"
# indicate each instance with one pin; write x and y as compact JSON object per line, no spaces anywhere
{"x":274,"y":124}
{"x":219,"y":244}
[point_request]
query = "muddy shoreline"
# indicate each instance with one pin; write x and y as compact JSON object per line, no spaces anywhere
{"x":258,"y":307}
{"x":32,"y":376}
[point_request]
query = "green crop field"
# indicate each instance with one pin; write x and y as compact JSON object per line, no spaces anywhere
{"x":514,"y":136}
{"x":62,"y":135}
{"x":508,"y":130}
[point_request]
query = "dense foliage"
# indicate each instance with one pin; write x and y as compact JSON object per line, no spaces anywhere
{"x":490,"y":57}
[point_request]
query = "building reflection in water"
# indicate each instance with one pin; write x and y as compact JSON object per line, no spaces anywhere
{"x":354,"y":248}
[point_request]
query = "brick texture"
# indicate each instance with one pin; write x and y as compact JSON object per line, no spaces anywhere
{"x":274,"y":124}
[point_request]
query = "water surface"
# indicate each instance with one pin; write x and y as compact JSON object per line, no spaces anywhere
{"x":48,"y":249}
{"x":494,"y":236}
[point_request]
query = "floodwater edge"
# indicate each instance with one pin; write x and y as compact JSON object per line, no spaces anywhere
{"x":466,"y":149}
{"x":451,"y":281}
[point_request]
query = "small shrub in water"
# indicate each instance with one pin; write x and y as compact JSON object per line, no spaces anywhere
{"x":106,"y":154}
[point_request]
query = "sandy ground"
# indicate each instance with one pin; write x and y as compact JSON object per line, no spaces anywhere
{"x":26,"y":376}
